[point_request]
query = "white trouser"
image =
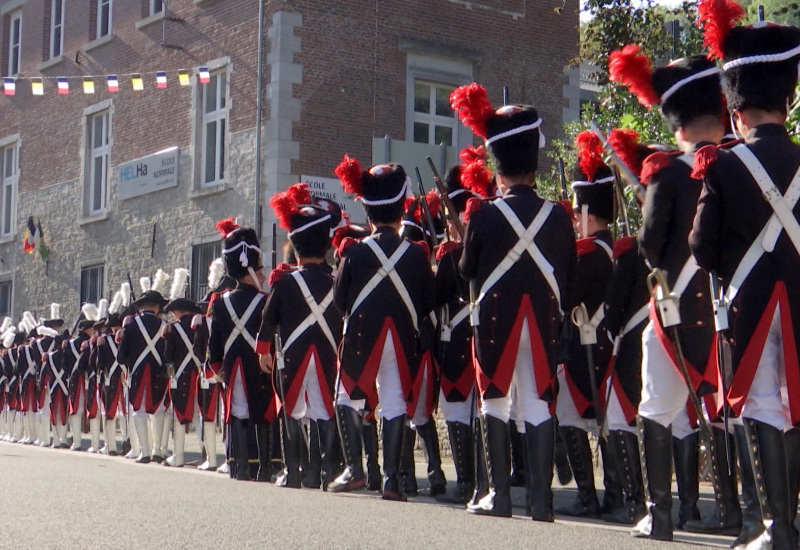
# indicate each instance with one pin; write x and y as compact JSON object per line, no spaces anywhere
{"x":390,"y":390}
{"x":664,"y":392}
{"x":765,"y":400}
{"x":615,"y":417}
{"x":420,"y":417}
{"x":239,"y":407}
{"x":567,"y":412}
{"x":142,"y":412}
{"x":522,"y":394}
{"x":456,"y":411}
{"x":309,"y":401}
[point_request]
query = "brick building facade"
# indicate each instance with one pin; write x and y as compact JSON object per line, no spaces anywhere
{"x":367,"y":77}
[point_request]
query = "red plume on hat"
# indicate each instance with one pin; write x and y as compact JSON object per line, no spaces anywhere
{"x":626,"y":144}
{"x":717,"y":18}
{"x":350,"y":174}
{"x":590,"y":153}
{"x":226,"y":226}
{"x":475,"y":175}
{"x":285,"y":204}
{"x":434,"y":203}
{"x":471,"y":104}
{"x":634,"y":71}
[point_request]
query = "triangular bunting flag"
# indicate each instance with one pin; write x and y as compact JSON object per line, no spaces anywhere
{"x":9,"y":86}
{"x":203,"y":75}
{"x":37,"y":86}
{"x":137,"y":82}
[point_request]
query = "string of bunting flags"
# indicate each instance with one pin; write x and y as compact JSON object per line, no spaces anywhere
{"x":112,"y":81}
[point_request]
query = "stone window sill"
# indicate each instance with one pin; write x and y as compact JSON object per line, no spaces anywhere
{"x":86,"y":220}
{"x":96,"y":43}
{"x":201,"y":192}
{"x":8,"y":239}
{"x":52,"y":62}
{"x":147,"y":21}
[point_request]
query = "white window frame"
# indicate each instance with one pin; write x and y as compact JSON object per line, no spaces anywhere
{"x":435,"y":71}
{"x":14,"y":43}
{"x":153,"y":4}
{"x":9,"y":186}
{"x":56,"y":46}
{"x":92,"y":153}
{"x":100,"y":20}
{"x":217,"y":116}
{"x":8,"y":279}
{"x":101,"y":279}
{"x":431,"y":118}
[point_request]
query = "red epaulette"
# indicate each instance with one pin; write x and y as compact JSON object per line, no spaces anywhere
{"x":279,"y":273}
{"x":585,"y":246}
{"x":707,"y":155}
{"x":473,"y":205}
{"x":654,"y":163}
{"x":425,"y":247}
{"x":445,"y":248}
{"x":622,"y":245}
{"x":567,"y":206}
{"x":344,"y":245}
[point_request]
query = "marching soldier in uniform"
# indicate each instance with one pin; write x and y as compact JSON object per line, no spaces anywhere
{"x":183,"y":367}
{"x":27,"y":368}
{"x":236,"y":317}
{"x":689,"y":94}
{"x":579,"y":389}
{"x":299,"y":338}
{"x":141,"y":350}
{"x":470,"y":179}
{"x":74,"y":349}
{"x":385,"y":289}
{"x":49,"y":341}
{"x":11,"y":345}
{"x":519,"y":250}
{"x":112,"y":376}
{"x":90,"y":370}
{"x":756,"y":255}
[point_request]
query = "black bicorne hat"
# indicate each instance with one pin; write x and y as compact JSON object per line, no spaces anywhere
{"x":688,"y":88}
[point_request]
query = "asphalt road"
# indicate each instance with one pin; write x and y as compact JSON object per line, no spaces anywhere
{"x":53,"y":499}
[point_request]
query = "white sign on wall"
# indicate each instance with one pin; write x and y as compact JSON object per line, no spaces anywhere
{"x":331,"y":189}
{"x":148,"y":174}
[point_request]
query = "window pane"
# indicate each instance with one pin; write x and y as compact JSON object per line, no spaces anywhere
{"x":422,"y":98}
{"x":443,"y":134}
{"x":7,"y":198}
{"x":58,"y":5}
{"x":210,"y":91}
{"x":8,"y":162}
{"x":221,"y":90}
{"x":443,"y":102}
{"x":5,"y":298}
{"x":97,"y":132}
{"x":97,"y":184}
{"x":202,"y":256}
{"x":210,"y":151}
{"x":221,"y":149}
{"x":420,"y":132}
{"x":105,"y":13}
{"x":56,"y":42}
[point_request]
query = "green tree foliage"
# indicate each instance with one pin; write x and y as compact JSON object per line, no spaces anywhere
{"x":777,"y":11}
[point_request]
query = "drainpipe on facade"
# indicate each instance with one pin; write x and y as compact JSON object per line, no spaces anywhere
{"x":257,"y":221}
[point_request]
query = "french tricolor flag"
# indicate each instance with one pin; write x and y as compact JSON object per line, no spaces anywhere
{"x":63,"y":85}
{"x":161,"y":79}
{"x":113,"y":83}
{"x":9,"y":86}
{"x":203,"y":75}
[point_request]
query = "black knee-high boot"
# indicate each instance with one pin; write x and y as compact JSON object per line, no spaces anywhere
{"x":264,"y":444}
{"x":313,"y":467}
{"x":427,"y":432}
{"x":239,"y":449}
{"x":496,"y":441}
{"x":633,"y":509}
{"x":685,"y":456}
{"x":408,"y":467}
{"x":463,"y":449}
{"x":752,"y":526}
{"x":392,"y":449}
{"x":727,"y":516}
{"x":580,"y":458}
{"x":369,"y":433}
{"x":292,"y":441}
{"x":612,"y":483}
{"x":479,"y":459}
{"x":655,"y":441}
{"x":519,"y":467}
{"x":352,"y":479}
{"x":540,"y":442}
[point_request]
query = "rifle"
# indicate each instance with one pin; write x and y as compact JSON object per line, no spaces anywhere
{"x":133,"y":296}
{"x":279,"y":366}
{"x":423,"y":204}
{"x":450,"y":210}
{"x":562,"y":175}
{"x":623,"y":208}
{"x":78,"y":319}
{"x":613,"y":158}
